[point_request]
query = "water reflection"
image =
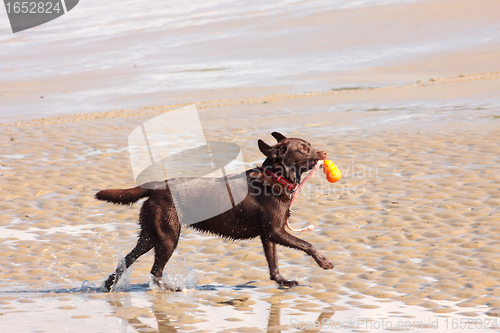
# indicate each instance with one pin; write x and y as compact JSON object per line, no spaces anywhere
{"x":163,"y":322}
{"x":170,"y":312}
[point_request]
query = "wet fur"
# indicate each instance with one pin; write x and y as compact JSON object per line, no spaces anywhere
{"x":260,"y":214}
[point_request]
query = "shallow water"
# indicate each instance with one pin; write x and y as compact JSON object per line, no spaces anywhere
{"x":216,"y":308}
{"x":102,"y":52}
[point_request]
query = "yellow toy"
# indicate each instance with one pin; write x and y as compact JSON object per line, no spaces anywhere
{"x":333,"y":174}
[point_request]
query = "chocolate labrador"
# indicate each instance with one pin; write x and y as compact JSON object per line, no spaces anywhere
{"x":262,"y":213}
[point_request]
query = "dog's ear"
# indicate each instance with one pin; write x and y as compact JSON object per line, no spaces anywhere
{"x":264,"y":148}
{"x":278,"y":136}
{"x":282,"y":151}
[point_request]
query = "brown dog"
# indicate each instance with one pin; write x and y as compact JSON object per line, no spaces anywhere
{"x":262,"y":213}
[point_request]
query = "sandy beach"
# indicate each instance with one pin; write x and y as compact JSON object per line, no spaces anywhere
{"x":413,"y":227}
{"x":413,"y":223}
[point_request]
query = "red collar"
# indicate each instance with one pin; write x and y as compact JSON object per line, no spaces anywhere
{"x":281,"y":179}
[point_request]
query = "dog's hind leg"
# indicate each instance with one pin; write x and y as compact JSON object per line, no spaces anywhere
{"x":163,"y":252}
{"x":144,"y":244}
{"x":162,"y":255}
{"x":168,"y":237}
{"x":280,"y":236}
{"x":272,"y":261}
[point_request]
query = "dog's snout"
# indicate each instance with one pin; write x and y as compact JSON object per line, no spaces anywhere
{"x":322,"y":155}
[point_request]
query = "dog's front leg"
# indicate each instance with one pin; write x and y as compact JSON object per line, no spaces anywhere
{"x":282,"y":237}
{"x":272,"y":262}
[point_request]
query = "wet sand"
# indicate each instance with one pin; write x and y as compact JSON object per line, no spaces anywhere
{"x":412,"y":228}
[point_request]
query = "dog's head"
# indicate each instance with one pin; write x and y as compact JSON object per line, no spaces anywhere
{"x":290,"y":157}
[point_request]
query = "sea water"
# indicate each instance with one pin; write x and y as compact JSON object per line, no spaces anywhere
{"x":113,"y":55}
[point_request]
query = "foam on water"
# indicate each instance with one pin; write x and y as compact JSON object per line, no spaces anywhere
{"x":91,"y":19}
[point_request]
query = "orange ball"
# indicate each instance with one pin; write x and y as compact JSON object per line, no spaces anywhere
{"x":333,"y":174}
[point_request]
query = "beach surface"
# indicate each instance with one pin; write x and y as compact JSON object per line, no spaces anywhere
{"x":413,"y":227}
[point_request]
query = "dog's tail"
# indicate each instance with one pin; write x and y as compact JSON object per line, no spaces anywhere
{"x":123,"y":197}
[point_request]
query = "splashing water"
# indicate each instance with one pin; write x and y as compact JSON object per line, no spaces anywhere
{"x":177,"y":277}
{"x":88,"y":287}
{"x":123,"y":283}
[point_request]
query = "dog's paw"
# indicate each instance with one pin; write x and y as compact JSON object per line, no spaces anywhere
{"x":287,"y":283}
{"x":328,"y":265}
{"x":160,"y":285}
{"x":323,"y":262}
{"x":107,"y":285}
{"x":290,"y":283}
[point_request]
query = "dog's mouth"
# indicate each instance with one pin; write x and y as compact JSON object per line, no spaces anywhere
{"x":308,"y":165}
